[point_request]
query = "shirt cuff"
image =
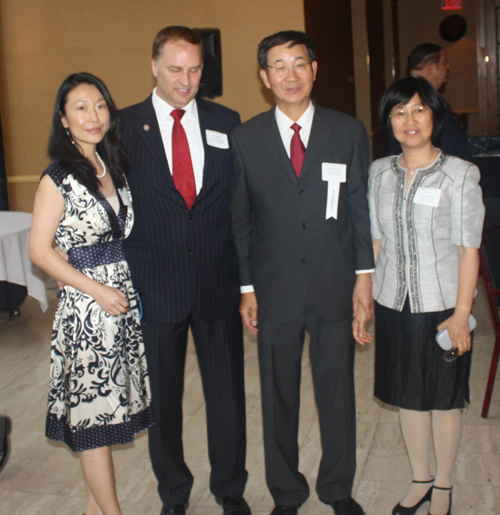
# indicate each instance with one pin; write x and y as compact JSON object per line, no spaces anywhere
{"x":248,"y":288}
{"x":365,"y":271}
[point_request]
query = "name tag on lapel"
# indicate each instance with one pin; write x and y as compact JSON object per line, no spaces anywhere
{"x":217,"y":139}
{"x":427,"y":197}
{"x":334,"y":174}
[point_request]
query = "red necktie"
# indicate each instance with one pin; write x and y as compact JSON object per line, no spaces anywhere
{"x":182,"y":166}
{"x":297,"y":150}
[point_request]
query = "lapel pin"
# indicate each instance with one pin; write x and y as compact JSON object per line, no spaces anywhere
{"x":146,"y":127}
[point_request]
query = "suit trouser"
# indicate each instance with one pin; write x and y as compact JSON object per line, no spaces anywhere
{"x":332,"y":360}
{"x":219,"y":348}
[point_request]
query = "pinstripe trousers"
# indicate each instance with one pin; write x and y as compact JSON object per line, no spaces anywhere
{"x":219,"y":348}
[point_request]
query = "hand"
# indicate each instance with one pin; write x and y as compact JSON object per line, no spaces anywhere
{"x":362,"y":296}
{"x":60,"y":253}
{"x":458,"y":328}
{"x":248,"y":311}
{"x":111,"y":300}
{"x":359,"y":327}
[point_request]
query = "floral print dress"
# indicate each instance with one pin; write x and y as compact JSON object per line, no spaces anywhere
{"x":99,"y":386}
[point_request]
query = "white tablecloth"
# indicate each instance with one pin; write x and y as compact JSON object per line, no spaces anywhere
{"x":15,"y":266}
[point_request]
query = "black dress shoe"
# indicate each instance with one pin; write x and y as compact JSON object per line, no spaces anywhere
{"x":178,"y":509}
{"x":234,"y":505}
{"x":411,"y":510}
{"x":4,"y":440}
{"x":347,"y":506}
{"x":285,"y":510}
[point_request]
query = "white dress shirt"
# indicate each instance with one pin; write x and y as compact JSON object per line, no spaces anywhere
{"x":285,"y":126}
{"x":191,"y":124}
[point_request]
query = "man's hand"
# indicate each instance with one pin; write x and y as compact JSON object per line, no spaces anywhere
{"x":359,"y":332}
{"x":248,"y":311}
{"x":362,"y":295}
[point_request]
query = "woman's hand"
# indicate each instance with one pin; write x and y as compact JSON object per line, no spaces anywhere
{"x":111,"y":300}
{"x":359,"y":332}
{"x":458,"y":323}
{"x":458,"y":328}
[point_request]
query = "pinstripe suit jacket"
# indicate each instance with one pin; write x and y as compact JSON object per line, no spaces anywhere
{"x":181,"y":260}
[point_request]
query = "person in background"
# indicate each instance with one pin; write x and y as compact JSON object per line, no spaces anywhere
{"x":427,"y":216}
{"x":428,"y":60}
{"x":99,"y":387}
{"x":183,"y":261}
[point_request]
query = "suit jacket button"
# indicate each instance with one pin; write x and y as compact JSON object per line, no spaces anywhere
{"x":301,"y":191}
{"x":303,"y":226}
{"x":190,"y":251}
{"x":303,"y":261}
{"x":190,"y":216}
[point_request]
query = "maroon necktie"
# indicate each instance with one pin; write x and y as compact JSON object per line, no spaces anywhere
{"x":297,"y":150}
{"x":182,"y":166}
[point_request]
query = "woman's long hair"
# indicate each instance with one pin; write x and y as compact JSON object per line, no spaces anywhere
{"x":110,"y":149}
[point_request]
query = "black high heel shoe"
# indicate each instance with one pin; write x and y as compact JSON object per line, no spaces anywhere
{"x":411,"y":510}
{"x":446,"y":489}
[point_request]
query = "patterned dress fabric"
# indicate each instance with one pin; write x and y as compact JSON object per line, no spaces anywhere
{"x":99,"y":386}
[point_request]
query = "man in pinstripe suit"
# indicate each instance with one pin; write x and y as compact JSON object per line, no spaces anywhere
{"x":183,"y":262}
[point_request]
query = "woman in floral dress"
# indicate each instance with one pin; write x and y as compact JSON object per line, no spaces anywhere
{"x":99,"y":389}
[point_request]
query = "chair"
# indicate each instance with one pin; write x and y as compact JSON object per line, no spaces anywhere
{"x":490,"y":270}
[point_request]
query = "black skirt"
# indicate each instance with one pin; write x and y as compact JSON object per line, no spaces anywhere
{"x":410,"y":371}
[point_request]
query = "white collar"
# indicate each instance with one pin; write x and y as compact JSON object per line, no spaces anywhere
{"x":163,"y":109}
{"x":305,"y":121}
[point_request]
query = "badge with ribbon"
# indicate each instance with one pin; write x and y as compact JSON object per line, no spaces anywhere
{"x":334,"y":174}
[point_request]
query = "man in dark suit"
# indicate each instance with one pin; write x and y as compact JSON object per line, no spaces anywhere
{"x":302,"y":231}
{"x":428,"y":60}
{"x":183,"y":262}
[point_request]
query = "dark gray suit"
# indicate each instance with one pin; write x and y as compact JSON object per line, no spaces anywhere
{"x":302,"y":267}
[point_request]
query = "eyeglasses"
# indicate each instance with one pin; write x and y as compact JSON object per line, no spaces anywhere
{"x":400,"y":115}
{"x":283,"y":69}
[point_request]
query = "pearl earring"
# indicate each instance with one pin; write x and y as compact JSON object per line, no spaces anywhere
{"x":69,"y":135}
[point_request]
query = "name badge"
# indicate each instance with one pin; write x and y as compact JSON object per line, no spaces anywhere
{"x":427,"y":197}
{"x":217,"y":139}
{"x":334,"y":174}
{"x":125,"y":195}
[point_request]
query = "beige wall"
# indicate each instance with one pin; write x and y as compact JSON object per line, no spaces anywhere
{"x":41,"y":42}
{"x":419,"y":22}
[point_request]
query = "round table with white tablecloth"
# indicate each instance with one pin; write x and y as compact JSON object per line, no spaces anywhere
{"x":15,"y":267}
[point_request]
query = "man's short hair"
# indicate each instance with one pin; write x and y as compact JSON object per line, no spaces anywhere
{"x":400,"y":92}
{"x":423,"y":54}
{"x":176,"y":33}
{"x":293,"y":37}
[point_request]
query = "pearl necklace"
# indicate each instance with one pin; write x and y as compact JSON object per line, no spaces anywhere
{"x":103,"y":165}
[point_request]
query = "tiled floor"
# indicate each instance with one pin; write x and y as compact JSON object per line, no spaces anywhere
{"x":44,"y":478}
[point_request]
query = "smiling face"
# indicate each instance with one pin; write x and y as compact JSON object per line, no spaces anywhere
{"x":86,"y":116}
{"x":412,"y":124}
{"x":292,"y":88}
{"x":178,"y":72}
